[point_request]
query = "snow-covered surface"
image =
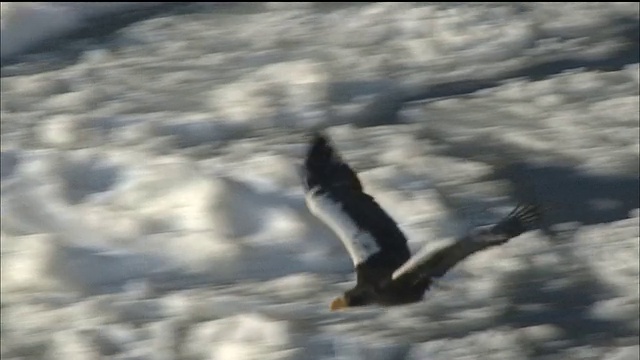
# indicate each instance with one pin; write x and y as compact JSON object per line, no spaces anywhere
{"x":151,"y":207}
{"x":32,"y":23}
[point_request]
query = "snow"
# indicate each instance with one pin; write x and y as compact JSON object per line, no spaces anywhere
{"x":27,"y":24}
{"x":152,"y":206}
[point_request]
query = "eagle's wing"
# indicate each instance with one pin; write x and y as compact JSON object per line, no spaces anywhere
{"x":420,"y":271}
{"x":334,"y":194}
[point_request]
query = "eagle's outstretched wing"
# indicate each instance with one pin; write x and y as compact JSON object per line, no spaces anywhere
{"x":421,"y":271}
{"x":334,"y":194}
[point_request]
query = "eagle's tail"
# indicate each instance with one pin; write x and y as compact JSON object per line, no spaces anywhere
{"x":523,"y":218}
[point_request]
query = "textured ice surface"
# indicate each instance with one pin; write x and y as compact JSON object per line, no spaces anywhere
{"x":28,"y":24}
{"x":152,"y":209}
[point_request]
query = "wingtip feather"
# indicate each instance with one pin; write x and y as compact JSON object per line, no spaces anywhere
{"x":318,"y":139}
{"x":324,"y":166}
{"x":527,"y":214}
{"x":319,"y":147}
{"x":523,"y":218}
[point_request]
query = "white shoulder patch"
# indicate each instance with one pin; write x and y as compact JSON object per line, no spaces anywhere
{"x":359,"y":243}
{"x":420,"y":257}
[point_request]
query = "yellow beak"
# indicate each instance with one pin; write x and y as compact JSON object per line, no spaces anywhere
{"x":338,"y":303}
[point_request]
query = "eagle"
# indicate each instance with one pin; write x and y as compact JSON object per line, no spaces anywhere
{"x":386,"y":274}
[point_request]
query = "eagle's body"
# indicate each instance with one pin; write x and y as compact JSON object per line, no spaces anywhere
{"x":374,"y":241}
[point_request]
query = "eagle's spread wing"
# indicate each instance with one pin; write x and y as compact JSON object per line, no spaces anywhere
{"x":334,"y":195}
{"x":422,"y":271}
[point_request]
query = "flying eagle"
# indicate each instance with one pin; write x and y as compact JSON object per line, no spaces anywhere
{"x":385,"y":273}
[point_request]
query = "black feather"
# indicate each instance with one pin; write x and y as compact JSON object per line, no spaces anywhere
{"x":523,"y":218}
{"x":325,"y":168}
